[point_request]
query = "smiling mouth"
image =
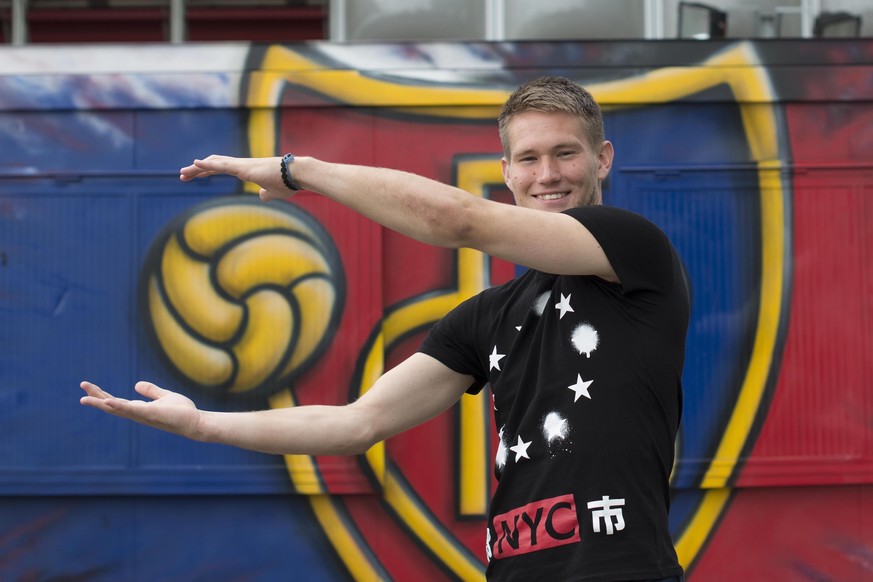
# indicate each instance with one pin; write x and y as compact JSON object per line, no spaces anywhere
{"x":557,"y":196}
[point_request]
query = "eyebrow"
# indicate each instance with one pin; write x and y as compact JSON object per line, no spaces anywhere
{"x":559,"y":146}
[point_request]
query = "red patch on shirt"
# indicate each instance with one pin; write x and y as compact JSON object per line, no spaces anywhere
{"x":539,"y":525}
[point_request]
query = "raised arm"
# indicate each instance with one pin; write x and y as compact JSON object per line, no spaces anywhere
{"x":429,"y":211}
{"x":407,"y":395}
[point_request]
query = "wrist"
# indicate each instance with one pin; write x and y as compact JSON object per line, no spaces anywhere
{"x":287,"y":176}
{"x":204,"y":428}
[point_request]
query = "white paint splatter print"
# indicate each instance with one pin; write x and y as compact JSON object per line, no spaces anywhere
{"x":554,"y":427}
{"x":500,"y":460}
{"x":540,"y":304}
{"x":556,"y":432}
{"x":585,"y":339}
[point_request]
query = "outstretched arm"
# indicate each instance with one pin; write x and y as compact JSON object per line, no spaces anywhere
{"x":407,"y":395}
{"x":429,"y":211}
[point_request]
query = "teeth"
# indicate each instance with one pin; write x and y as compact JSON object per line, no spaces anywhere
{"x":551,"y":196}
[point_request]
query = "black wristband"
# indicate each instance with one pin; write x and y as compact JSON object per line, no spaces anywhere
{"x":287,"y":178}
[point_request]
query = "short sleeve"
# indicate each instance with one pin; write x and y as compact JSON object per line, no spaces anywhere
{"x":639,"y":252}
{"x":452,"y":342}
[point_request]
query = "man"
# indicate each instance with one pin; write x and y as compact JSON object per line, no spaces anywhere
{"x":583,"y":353}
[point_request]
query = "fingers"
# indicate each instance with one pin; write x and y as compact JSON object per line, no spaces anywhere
{"x":207,"y":167}
{"x":218,"y":165}
{"x":267,"y":195}
{"x":262,"y":171}
{"x":147,"y":389}
{"x":191,"y":172}
{"x":94,"y":390}
{"x":150,"y":390}
{"x":99,"y":398}
{"x":110,"y":405}
{"x":102,"y":400}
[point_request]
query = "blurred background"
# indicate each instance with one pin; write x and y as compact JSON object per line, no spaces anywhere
{"x":742,"y":129}
{"x":38,"y":21}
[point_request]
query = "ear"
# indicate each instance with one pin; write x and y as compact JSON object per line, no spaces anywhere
{"x":504,"y":167}
{"x":604,"y":159}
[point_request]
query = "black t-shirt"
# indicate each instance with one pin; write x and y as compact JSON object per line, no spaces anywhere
{"x":585,"y":377}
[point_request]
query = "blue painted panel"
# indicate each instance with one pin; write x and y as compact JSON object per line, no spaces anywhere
{"x":712,"y":216}
{"x":684,"y":134}
{"x":67,"y":269}
{"x":170,"y":139}
{"x":716,"y":233}
{"x":73,"y":236}
{"x":107,"y":143}
{"x":169,"y":538}
{"x":66,"y":141}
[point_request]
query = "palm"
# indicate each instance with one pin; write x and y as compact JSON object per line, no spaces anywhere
{"x":166,"y":410}
{"x":172,"y":412}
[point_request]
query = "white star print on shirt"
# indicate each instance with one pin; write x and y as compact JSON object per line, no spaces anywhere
{"x":564,"y":305}
{"x":581,"y":388}
{"x":494,"y":360}
{"x":520,"y":449}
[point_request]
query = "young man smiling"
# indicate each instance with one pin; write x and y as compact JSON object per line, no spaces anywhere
{"x":583,"y":353}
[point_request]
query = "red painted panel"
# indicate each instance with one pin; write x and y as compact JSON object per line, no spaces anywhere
{"x":818,"y":426}
{"x":832,"y":132}
{"x":259,"y":24}
{"x":423,"y":455}
{"x":396,"y":550}
{"x":329,"y":381}
{"x":793,"y":533}
{"x":98,"y":25}
{"x":425,"y":148}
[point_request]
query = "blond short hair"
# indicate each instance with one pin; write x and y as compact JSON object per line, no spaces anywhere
{"x":553,"y":95}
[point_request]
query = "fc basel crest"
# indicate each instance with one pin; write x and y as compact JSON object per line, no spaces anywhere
{"x":416,"y":505}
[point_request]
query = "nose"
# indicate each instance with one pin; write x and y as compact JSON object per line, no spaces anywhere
{"x":548,"y":171}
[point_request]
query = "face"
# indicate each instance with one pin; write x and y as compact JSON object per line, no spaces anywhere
{"x":551,"y":164}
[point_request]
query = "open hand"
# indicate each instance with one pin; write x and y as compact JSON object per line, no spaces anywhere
{"x":262,"y":171}
{"x":166,"y":410}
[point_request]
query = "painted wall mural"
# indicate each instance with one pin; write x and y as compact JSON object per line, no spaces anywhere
{"x":754,"y":158}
